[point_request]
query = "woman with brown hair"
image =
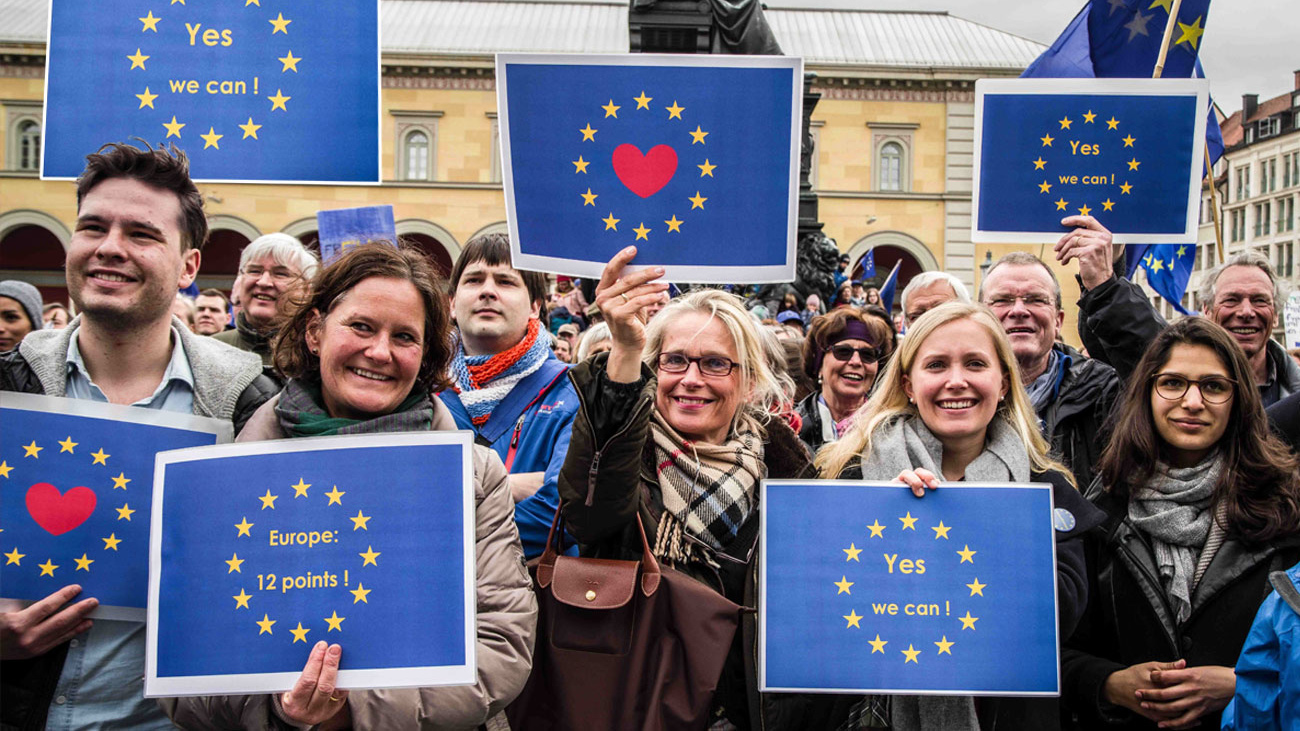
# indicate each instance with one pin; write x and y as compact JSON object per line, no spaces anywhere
{"x":364,"y":346}
{"x":1202,"y":503}
{"x":841,"y":355}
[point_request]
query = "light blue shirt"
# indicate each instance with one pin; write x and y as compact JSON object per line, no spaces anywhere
{"x":102,"y":685}
{"x":175,"y":391}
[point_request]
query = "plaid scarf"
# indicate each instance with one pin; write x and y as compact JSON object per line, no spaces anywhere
{"x":708,"y":488}
{"x":483,"y":380}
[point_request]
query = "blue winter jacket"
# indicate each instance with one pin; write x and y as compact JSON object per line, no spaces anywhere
{"x":530,"y":429}
{"x":1268,"y":671}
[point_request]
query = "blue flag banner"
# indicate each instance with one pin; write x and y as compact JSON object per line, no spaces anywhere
{"x":77,"y":478}
{"x":346,"y":227}
{"x":869,"y":264}
{"x":1127,"y":152}
{"x":1168,"y":268}
{"x":260,"y":550}
{"x":694,"y":159}
{"x":888,"y":289}
{"x":866,"y":589}
{"x":252,"y":91}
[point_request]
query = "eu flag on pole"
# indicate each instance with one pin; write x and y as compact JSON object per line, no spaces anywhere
{"x":1168,"y":268}
{"x":260,"y":550}
{"x":77,"y":479}
{"x":252,"y":91}
{"x":869,"y":264}
{"x":888,"y":289}
{"x":1126,"y":151}
{"x":695,"y":160}
{"x":1121,"y":39}
{"x":864,"y":588}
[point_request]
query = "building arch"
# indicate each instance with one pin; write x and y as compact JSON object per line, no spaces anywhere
{"x":500,"y":227}
{"x":890,"y":247}
{"x":436,"y":241}
{"x":899,"y":240}
{"x":227,"y":222}
{"x":11,"y":220}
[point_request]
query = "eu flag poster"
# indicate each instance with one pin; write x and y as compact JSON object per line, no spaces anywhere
{"x":252,"y":91}
{"x":866,"y":589}
{"x":693,"y":159}
{"x":1128,"y":152}
{"x":260,"y":550}
{"x":77,"y":482}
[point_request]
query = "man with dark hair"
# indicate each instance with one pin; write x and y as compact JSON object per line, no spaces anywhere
{"x":211,"y":312}
{"x":508,"y":386}
{"x":1073,"y":395}
{"x":139,"y":228}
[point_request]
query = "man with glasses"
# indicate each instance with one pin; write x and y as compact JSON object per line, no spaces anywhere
{"x":1116,"y":320}
{"x":267,"y":267}
{"x":1072,"y":394}
{"x":508,"y":387}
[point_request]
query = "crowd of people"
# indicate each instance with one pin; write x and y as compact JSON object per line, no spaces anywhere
{"x":634,"y":407}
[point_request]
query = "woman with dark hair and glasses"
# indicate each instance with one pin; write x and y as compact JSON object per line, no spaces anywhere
{"x":676,"y":426}
{"x":841,"y":354}
{"x":1202,"y":503}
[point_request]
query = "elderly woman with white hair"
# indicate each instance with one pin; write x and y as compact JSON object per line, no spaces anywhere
{"x":268,"y":267}
{"x":676,"y":426}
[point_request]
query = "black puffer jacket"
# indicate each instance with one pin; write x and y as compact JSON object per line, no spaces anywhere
{"x":1129,"y":621}
{"x":1075,"y":422}
{"x":609,"y":477}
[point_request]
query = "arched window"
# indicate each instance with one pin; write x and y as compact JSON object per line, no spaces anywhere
{"x":29,"y":145}
{"x":417,"y":155}
{"x":891,"y":166}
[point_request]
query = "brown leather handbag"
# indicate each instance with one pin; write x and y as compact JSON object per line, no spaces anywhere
{"x":622,"y":645}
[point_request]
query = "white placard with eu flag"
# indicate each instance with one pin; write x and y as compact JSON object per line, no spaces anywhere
{"x":77,"y":482}
{"x":866,"y":589}
{"x":260,"y":550}
{"x":1128,"y":152}
{"x":693,"y":159}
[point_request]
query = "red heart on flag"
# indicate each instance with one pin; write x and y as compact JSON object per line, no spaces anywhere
{"x":645,"y":174}
{"x":59,"y":513}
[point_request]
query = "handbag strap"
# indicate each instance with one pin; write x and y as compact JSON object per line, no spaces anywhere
{"x":650,"y":572}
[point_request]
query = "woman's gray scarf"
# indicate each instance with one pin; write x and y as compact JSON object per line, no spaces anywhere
{"x":905,"y":443}
{"x":1174,"y":509}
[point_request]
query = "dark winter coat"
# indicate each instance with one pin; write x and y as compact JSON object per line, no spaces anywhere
{"x":609,"y":478}
{"x":1129,"y":620}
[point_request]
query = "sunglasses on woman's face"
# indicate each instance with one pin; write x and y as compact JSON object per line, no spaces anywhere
{"x":844,"y":353}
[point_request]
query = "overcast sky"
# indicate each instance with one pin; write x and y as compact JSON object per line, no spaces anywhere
{"x":1249,"y":47}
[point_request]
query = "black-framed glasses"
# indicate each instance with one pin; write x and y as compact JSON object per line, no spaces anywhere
{"x":1213,"y":389}
{"x":709,"y":365}
{"x":844,"y":353}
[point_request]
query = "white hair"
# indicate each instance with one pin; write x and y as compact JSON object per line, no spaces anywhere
{"x":925,"y":279}
{"x":593,"y":335}
{"x":285,"y":249}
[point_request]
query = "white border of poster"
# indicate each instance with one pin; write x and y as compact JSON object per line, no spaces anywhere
{"x":221,"y":428}
{"x":731,"y":274}
{"x":379,"y":117}
{"x":1104,"y":87}
{"x":359,"y":678}
{"x":763,"y":685}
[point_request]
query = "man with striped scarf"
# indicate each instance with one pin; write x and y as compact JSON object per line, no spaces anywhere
{"x":508,"y":386}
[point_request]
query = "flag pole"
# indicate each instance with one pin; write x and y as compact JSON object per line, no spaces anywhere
{"x":1214,"y":204}
{"x":1209,"y":168}
{"x":1164,"y":42}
